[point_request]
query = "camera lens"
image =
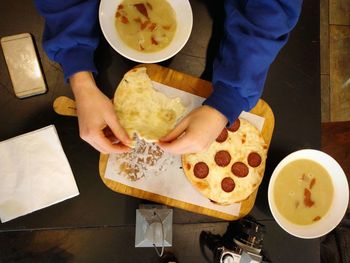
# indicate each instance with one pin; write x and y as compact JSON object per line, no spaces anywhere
{"x":246,"y":233}
{"x":250,"y":233}
{"x":227,"y":259}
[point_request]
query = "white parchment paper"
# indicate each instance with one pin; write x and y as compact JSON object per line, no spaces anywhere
{"x":165,"y":176}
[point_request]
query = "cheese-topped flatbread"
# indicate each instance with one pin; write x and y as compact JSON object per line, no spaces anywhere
{"x":233,"y":166}
{"x":144,"y":111}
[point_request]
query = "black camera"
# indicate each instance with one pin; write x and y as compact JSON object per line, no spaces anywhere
{"x":241,"y":243}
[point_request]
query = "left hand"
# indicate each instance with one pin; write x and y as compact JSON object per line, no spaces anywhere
{"x":195,"y":132}
{"x":98,"y":123}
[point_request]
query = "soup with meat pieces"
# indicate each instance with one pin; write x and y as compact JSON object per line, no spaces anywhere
{"x":147,"y":26}
{"x":303,"y":192}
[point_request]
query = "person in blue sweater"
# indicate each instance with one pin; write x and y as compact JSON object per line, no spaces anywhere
{"x":255,"y":31}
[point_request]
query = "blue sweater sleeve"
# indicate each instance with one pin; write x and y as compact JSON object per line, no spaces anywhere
{"x":255,"y":31}
{"x":71,"y":33}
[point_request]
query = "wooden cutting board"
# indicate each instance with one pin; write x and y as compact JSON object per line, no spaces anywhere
{"x":169,"y":77}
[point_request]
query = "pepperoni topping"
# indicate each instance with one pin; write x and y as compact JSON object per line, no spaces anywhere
{"x":235,"y":126}
{"x":227,"y":184}
{"x":222,"y":158}
{"x":239,"y":169}
{"x":201,"y":170}
{"x":223,"y":136}
{"x":254,"y":159}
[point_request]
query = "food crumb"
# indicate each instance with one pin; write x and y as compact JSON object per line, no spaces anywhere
{"x":145,"y":157}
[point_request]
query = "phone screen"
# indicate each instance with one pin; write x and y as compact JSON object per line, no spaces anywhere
{"x":23,"y":65}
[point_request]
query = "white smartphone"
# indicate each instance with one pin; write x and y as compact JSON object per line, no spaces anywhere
{"x":23,"y":65}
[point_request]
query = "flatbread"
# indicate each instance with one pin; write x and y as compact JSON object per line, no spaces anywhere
{"x":144,"y":111}
{"x":233,"y":166}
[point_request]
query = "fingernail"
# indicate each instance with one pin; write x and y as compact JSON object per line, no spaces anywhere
{"x":115,"y":141}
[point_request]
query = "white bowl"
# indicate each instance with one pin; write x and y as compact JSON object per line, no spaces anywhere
{"x":339,"y":203}
{"x":184,"y":20}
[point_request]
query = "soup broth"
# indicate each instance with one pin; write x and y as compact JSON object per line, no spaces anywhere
{"x":303,"y":192}
{"x":147,"y":26}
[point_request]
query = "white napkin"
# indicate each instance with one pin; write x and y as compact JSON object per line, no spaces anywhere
{"x":34,"y":173}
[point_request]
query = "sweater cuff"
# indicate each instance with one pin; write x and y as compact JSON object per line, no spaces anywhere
{"x":76,"y":59}
{"x":228,"y":101}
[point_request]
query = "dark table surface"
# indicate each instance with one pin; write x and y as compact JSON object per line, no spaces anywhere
{"x":99,"y":224}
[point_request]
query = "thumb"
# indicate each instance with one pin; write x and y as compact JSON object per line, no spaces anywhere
{"x":176,"y":132}
{"x":118,"y":131}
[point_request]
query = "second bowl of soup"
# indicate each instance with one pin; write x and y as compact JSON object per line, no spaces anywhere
{"x":308,"y":193}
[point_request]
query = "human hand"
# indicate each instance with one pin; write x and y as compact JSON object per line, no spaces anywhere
{"x":98,"y":123}
{"x":195,"y":132}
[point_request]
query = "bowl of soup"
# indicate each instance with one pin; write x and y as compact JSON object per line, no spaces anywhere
{"x":308,"y":193}
{"x":146,"y":31}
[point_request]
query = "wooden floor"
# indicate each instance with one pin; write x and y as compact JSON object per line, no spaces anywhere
{"x":335,"y":79}
{"x":335,"y":60}
{"x":336,"y":142}
{"x":335,"y":108}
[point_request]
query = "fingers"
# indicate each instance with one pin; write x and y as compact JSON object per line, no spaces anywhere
{"x":110,"y":135}
{"x":110,"y":139}
{"x":188,"y":143}
{"x":176,"y":142}
{"x":104,"y":145}
{"x":195,"y":133}
{"x":179,"y":146}
{"x":118,"y":131}
{"x":100,"y":142}
{"x":113,"y":138}
{"x":176,"y":132}
{"x":95,"y":111}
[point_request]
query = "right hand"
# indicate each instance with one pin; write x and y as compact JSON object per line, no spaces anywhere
{"x":194,"y":133}
{"x":96,"y":115}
